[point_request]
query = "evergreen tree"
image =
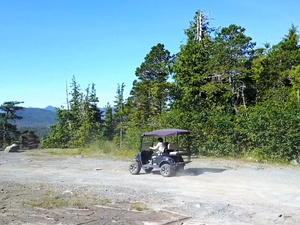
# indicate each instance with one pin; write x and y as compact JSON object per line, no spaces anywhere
{"x":274,"y":68}
{"x":195,"y":96}
{"x":119,"y":116}
{"x":150,"y":91}
{"x":28,"y":140}
{"x":232,"y":62}
{"x":90,"y":119}
{"x":60,"y":135}
{"x":192,"y":67}
{"x":8,"y":131}
{"x":109,"y":123}
{"x":262,"y":73}
{"x":295,"y":80}
{"x":78,"y":125}
{"x":76,"y":108}
{"x":285,"y":55}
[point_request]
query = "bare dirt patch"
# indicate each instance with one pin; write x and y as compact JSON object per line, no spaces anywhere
{"x":43,"y":189}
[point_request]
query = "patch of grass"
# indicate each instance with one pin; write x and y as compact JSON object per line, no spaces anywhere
{"x":49,"y":198}
{"x":139,"y":207}
{"x":107,"y":149}
{"x":63,"y":152}
{"x":55,"y":202}
{"x":79,"y":204}
{"x":244,"y":158}
{"x":99,"y":149}
{"x":53,"y":152}
{"x":257,"y":156}
{"x":103,"y":201}
{"x":51,"y":201}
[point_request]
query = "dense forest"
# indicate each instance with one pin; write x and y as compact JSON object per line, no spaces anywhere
{"x":9,"y":132}
{"x":237,"y":99}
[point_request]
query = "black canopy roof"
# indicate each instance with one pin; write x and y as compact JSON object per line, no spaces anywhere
{"x":166,"y":132}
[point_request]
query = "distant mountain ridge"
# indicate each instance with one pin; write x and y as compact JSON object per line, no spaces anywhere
{"x":37,"y":120}
{"x":51,"y":108}
{"x":36,"y":117}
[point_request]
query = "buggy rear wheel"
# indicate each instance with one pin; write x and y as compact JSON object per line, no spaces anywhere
{"x":135,"y":168}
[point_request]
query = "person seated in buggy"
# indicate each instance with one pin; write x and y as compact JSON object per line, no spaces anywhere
{"x":160,"y":146}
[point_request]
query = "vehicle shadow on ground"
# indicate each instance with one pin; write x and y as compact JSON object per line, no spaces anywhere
{"x":194,"y":171}
{"x":199,"y":171}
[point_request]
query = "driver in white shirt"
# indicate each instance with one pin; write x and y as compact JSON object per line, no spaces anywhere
{"x":160,"y":146}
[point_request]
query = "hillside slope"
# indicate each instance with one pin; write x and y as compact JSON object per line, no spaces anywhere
{"x":36,"y":117}
{"x":37,"y":120}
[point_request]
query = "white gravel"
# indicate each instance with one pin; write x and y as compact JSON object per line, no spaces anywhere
{"x":208,"y":191}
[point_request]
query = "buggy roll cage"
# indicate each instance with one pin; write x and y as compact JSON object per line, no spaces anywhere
{"x":166,"y":133}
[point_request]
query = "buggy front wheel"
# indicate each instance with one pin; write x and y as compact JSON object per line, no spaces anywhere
{"x":135,"y":168}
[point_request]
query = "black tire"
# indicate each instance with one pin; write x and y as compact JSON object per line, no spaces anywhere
{"x":166,"y":170}
{"x":135,"y":168}
{"x":148,"y":170}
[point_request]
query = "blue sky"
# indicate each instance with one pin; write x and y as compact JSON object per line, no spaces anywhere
{"x":43,"y":43}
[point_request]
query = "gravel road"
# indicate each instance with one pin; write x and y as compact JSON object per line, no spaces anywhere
{"x":36,"y":188}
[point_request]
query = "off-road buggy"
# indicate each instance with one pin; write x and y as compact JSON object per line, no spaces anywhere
{"x":174,"y":157}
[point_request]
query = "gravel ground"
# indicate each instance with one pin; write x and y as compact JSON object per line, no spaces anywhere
{"x":36,"y":188}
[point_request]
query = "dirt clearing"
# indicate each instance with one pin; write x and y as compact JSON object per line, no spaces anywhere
{"x":43,"y":189}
